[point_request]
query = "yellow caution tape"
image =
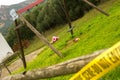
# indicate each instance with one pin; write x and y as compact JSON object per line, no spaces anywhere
{"x":100,"y":65}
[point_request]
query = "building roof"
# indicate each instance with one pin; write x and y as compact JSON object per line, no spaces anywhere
{"x":30,"y":6}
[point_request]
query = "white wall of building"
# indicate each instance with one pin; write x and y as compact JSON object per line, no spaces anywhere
{"x":4,"y":48}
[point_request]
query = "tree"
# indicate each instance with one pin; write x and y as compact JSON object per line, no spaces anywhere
{"x":11,"y":37}
{"x":49,"y":14}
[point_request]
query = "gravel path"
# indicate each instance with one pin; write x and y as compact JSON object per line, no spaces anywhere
{"x":18,"y":63}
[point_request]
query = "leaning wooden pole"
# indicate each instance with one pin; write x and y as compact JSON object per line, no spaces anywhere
{"x":7,"y":68}
{"x":21,"y":46}
{"x":40,"y":36}
{"x":3,"y":65}
{"x":65,"y":68}
{"x":68,"y":17}
{"x":100,"y":10}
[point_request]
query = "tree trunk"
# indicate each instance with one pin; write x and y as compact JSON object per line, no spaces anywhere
{"x":68,"y":67}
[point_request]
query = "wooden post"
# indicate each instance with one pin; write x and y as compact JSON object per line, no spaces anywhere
{"x":40,"y":36}
{"x":100,"y":10}
{"x":7,"y":68}
{"x":68,"y":17}
{"x":20,"y":44}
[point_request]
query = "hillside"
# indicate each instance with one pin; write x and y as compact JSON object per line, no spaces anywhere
{"x":95,"y":30}
{"x":4,"y":14}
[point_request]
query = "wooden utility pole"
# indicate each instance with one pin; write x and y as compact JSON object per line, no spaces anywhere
{"x":15,"y":16}
{"x":68,"y":18}
{"x":100,"y":10}
{"x":40,"y":36}
{"x":20,"y":45}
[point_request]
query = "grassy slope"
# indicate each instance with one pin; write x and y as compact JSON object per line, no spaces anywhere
{"x":95,"y":31}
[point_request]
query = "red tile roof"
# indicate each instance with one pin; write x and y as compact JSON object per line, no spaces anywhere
{"x":30,"y":6}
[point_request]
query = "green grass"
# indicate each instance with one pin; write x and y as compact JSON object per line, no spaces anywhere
{"x":36,"y":44}
{"x":95,"y":30}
